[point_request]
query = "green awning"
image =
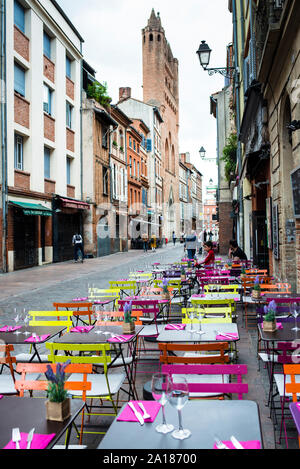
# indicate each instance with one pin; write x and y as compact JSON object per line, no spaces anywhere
{"x":33,"y":209}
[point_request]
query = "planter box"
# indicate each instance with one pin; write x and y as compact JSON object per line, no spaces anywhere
{"x":128,"y":327}
{"x":58,"y":411}
{"x":269,"y":326}
{"x":256,"y":294}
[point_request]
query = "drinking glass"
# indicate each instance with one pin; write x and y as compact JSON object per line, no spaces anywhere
{"x":161,"y":388}
{"x":200,"y":314}
{"x":17,"y":318}
{"x":191,"y":317}
{"x":26,"y":322}
{"x":178,"y":398}
{"x":97,"y":315}
{"x":294,"y":309}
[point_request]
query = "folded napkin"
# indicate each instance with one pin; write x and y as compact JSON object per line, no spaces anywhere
{"x":251,"y":444}
{"x":198,"y":296}
{"x":227,"y":336}
{"x":10,"y":328}
{"x":1,"y":396}
{"x":100,"y":302}
{"x":120,"y":338}
{"x":38,"y":442}
{"x":81,"y":329}
{"x":152,"y":407}
{"x":177,"y":327}
{"x":278,"y":325}
{"x":80,"y":299}
{"x":39,"y":338}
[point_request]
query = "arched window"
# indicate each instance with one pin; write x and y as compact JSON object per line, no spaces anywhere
{"x":151,"y":37}
{"x":158,"y":38}
{"x":167,"y":154}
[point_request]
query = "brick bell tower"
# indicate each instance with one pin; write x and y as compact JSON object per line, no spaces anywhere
{"x":160,"y":88}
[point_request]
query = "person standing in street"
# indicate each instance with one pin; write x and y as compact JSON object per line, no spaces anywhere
{"x":201,"y":241}
{"x":191,"y":245}
{"x":78,"y":246}
{"x":153,"y":243}
{"x":145,"y":242}
{"x":174,"y":237}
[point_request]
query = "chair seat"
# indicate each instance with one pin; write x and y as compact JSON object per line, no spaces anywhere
{"x":7,"y":385}
{"x":26,"y":358}
{"x":117,"y":362}
{"x":279,"y":380}
{"x":207,"y":379}
{"x":99,"y":384}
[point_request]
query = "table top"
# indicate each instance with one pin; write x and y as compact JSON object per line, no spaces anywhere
{"x":27,"y":413}
{"x":209,"y":336}
{"x":93,"y":338}
{"x":221,"y":418}
{"x":19,"y":339}
{"x":216,"y":296}
{"x":286,"y":334}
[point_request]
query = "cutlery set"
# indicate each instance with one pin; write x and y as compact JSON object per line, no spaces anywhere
{"x":16,"y":437}
{"x":236,"y":444}
{"x":141,"y":418}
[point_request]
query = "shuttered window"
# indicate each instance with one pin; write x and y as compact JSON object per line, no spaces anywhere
{"x":68,"y":67}
{"x":19,"y":16}
{"x":19,"y":80}
{"x":47,"y":45}
{"x":47,"y":163}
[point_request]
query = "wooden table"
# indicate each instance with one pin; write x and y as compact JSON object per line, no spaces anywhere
{"x":204,"y":418}
{"x":27,"y":413}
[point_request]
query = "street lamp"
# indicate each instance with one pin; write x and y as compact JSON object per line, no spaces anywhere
{"x":203,"y":53}
{"x":202,"y":152}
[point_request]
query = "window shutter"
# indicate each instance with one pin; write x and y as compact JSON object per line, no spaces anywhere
{"x":47,"y":163}
{"x":252,"y":59}
{"x":149,"y":144}
{"x":47,"y":45}
{"x":19,"y":80}
{"x":19,"y":16}
{"x":68,"y":67}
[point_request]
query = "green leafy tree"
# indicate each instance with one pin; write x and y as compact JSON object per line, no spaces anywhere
{"x":98,"y":92}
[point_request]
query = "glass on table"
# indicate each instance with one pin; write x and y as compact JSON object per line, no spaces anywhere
{"x":178,"y":398}
{"x":97,"y":316}
{"x":294,"y":310}
{"x":17,"y":319}
{"x":191,"y":315}
{"x":161,"y":388}
{"x":26,"y":319}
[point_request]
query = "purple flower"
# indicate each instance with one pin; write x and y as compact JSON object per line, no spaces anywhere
{"x":272,"y":305}
{"x":266,"y":309}
{"x":127,"y":307}
{"x":256,"y":281}
{"x":165,"y":282}
{"x":50,"y":375}
{"x":59,"y":377}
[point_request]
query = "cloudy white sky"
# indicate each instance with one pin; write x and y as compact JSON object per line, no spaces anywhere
{"x":113,"y":47}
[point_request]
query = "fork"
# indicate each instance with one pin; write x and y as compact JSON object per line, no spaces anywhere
{"x":16,"y":437}
{"x":146,"y":415}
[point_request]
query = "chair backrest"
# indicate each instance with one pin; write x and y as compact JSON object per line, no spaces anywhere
{"x":222,"y":288}
{"x":238,"y":371}
{"x":53,"y":318}
{"x":42,"y":385}
{"x":79,"y":309}
{"x":104,"y":293}
{"x":123,"y":285}
{"x":286,"y":352}
{"x":256,"y":272}
{"x":209,"y":315}
{"x":202,"y":353}
{"x":6,"y":358}
{"x":208,"y":303}
{"x":101,"y":356}
{"x":117,"y":317}
{"x":292,"y":387}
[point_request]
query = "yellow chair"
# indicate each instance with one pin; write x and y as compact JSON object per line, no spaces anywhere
{"x":213,"y":303}
{"x":124,"y":286}
{"x":211,"y":289}
{"x":209,"y":315}
{"x":105,"y":385}
{"x":105,"y":296}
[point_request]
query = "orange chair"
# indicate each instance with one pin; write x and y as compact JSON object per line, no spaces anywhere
{"x":117,"y":318}
{"x":39,"y":385}
{"x":79,"y":309}
{"x":7,"y":381}
{"x":292,"y":387}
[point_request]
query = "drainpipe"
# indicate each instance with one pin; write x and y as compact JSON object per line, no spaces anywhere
{"x":3,"y":135}
{"x":81,"y":126}
{"x":238,"y":122}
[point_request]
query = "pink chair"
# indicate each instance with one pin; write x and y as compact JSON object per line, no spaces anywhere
{"x":209,"y":386}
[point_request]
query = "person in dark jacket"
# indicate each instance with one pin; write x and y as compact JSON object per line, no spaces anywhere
{"x":235,"y":252}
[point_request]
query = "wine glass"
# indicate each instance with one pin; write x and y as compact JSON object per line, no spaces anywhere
{"x":26,"y":322}
{"x":295,"y":312}
{"x":161,"y":388}
{"x":178,"y":398}
{"x":17,"y":318}
{"x":97,"y":316}
{"x":191,"y":316}
{"x":200,"y":314}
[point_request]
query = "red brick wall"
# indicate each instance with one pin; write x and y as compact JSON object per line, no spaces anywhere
{"x":225,"y":226}
{"x":70,"y":88}
{"x":10,"y":229}
{"x":70,"y":140}
{"x":49,"y":127}
{"x":22,"y":111}
{"x":49,"y":186}
{"x":21,"y":43}
{"x":22,"y":179}
{"x":48,"y":231}
{"x":49,"y":69}
{"x":71,"y":191}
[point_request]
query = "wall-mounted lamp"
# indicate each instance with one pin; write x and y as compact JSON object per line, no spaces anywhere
{"x":294,"y":125}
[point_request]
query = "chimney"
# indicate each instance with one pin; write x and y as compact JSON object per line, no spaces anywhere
{"x":124,"y":93}
{"x":187,"y":157}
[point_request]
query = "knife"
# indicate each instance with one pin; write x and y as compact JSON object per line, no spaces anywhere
{"x":136,"y":413}
{"x":29,"y":438}
{"x":236,"y":443}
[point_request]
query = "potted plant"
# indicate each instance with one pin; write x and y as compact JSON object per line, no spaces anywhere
{"x":269,"y":321}
{"x":115,"y":144}
{"x":256,"y":292}
{"x":128,"y":325}
{"x":165,"y":292}
{"x":58,"y":403}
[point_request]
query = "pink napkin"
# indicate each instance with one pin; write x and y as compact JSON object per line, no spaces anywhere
{"x":82,"y":329}
{"x":152,"y":407}
{"x":278,"y":325}
{"x":80,"y":299}
{"x":176,"y":327}
{"x":232,"y":335}
{"x":100,"y":302}
{"x":297,"y":405}
{"x":40,"y":338}
{"x":38,"y":441}
{"x":124,"y":338}
{"x":10,"y":328}
{"x":1,"y":396}
{"x":252,"y":444}
{"x":198,"y":296}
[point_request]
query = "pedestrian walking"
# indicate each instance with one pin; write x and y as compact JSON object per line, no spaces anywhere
{"x":201,"y":241}
{"x":205,"y":236}
{"x":78,"y":246}
{"x":153,"y":243}
{"x":174,"y":237}
{"x":191,"y":245}
{"x":145,"y":242}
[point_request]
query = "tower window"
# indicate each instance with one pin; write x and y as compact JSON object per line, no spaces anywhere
{"x":158,"y":38}
{"x":151,"y":37}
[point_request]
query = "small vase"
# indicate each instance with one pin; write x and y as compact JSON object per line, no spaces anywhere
{"x":183,"y":277}
{"x":58,"y":411}
{"x":165,"y":295}
{"x":128,"y":327}
{"x":256,"y":294}
{"x":269,"y":326}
